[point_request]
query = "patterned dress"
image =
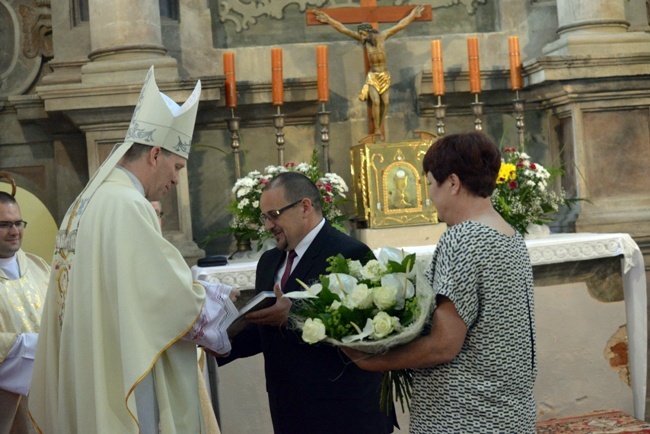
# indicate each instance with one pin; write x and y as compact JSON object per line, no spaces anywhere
{"x":488,"y":387}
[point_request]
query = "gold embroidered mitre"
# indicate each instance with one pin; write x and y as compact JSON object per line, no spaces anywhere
{"x":158,"y":121}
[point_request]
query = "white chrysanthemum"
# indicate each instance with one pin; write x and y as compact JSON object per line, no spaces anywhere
{"x":302,"y":167}
{"x":338,"y":184}
{"x":243,"y":203}
{"x":274,"y":170}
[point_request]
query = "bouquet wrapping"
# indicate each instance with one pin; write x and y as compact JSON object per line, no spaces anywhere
{"x":371,"y":308}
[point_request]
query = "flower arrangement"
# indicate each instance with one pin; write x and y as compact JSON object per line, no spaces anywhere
{"x":245,"y":208}
{"x":370,"y":307}
{"x":522,"y":194}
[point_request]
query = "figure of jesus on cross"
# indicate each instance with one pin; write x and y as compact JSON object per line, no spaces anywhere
{"x":377,"y":82}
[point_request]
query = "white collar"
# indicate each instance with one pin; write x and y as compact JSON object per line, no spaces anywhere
{"x":10,"y":267}
{"x":136,"y":182}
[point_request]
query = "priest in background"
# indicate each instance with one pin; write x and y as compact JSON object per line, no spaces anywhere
{"x":23,"y":282}
{"x":117,"y":350}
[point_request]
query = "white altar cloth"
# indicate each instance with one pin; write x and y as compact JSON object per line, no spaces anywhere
{"x":554,"y":249}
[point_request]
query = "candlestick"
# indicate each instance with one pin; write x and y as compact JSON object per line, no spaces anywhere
{"x":233,"y":127}
{"x":322,"y":73}
{"x":278,"y":123}
{"x":324,"y":121}
{"x":230,"y":86}
{"x":436,"y":68}
{"x":515,"y":63}
{"x":440,"y":111}
{"x":276,"y":76}
{"x":477,"y":109}
{"x":474,"y":68}
{"x":519,"y":117}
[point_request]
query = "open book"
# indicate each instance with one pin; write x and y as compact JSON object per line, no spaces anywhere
{"x":261,"y":301}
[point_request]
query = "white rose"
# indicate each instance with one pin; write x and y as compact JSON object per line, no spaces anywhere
{"x":383,"y":325}
{"x":355,"y":268}
{"x":384,"y":296}
{"x":360,"y":297}
{"x":373,"y":270}
{"x":313,"y":331}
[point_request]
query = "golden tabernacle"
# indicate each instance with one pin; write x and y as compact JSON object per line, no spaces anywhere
{"x":389,"y":186}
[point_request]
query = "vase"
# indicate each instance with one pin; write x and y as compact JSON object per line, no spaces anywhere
{"x":243,"y":242}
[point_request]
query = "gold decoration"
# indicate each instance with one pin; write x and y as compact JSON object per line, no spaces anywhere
{"x":389,"y":187}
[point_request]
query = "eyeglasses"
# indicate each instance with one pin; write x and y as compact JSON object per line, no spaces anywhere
{"x":274,"y":214}
{"x":20,"y":224}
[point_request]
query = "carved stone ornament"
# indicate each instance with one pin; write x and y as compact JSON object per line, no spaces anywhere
{"x":22,"y":52}
{"x":37,"y":31}
{"x":244,"y":13}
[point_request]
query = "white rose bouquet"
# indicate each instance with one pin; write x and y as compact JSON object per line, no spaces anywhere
{"x":370,"y":307}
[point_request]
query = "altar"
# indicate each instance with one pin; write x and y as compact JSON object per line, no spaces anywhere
{"x":591,"y":321}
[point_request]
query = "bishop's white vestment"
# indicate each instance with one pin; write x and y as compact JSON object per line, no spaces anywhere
{"x":120,"y":299}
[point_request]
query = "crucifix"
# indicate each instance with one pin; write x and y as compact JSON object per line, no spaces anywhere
{"x":368,"y":16}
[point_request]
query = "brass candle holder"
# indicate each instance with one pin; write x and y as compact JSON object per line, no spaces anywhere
{"x":278,"y":123}
{"x":233,"y":127}
{"x":440,"y":112}
{"x":477,"y":109}
{"x":518,"y":105}
{"x":324,"y":121}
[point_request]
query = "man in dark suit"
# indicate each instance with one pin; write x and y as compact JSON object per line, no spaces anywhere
{"x":312,"y":389}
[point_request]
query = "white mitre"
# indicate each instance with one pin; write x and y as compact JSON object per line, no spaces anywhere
{"x":156,"y":121}
{"x":159,"y":121}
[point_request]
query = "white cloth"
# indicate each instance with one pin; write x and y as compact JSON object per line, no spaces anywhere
{"x":10,"y":267}
{"x":16,"y":369}
{"x":217,"y":314}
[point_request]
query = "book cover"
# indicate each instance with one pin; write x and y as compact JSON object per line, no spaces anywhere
{"x":261,"y":301}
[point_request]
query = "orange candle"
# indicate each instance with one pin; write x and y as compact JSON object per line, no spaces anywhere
{"x":229,"y":72}
{"x":515,"y":63}
{"x":322,"y":73}
{"x":474,"y":68}
{"x":277,"y":85}
{"x":436,"y":68}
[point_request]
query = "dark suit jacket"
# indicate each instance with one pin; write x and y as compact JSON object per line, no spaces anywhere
{"x":312,"y":388}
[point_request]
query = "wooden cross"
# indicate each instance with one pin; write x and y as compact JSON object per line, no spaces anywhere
{"x":369,"y":12}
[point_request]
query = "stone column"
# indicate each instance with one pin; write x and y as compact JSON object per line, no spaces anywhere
{"x":591,"y":16}
{"x":586,"y":27}
{"x":125,"y":41}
